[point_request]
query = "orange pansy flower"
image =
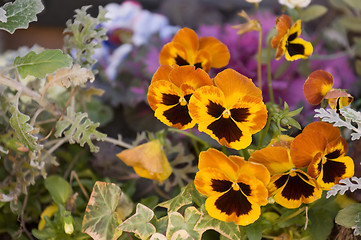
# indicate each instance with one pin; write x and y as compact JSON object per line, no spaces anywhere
{"x":287,"y":41}
{"x":235,"y":188}
{"x":187,"y":49}
{"x":170,"y":91}
{"x":318,"y":86}
{"x":231,"y":111}
{"x":290,"y":187}
{"x":321,"y":148}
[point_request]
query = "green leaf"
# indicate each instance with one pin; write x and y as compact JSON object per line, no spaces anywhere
{"x":312,"y":12}
{"x":351,"y":23}
{"x":321,"y":223}
{"x":18,"y":122}
{"x":58,"y":188}
{"x":20,"y":13}
{"x":176,"y":223}
{"x":182,"y":199}
{"x":254,"y":231}
{"x":347,"y":217}
{"x":100,"y":220}
{"x":358,"y":66}
{"x":354,"y":4}
{"x":139,"y":222}
{"x":38,"y":65}
{"x":79,"y":129}
{"x":227,"y":229}
{"x":339,"y":5}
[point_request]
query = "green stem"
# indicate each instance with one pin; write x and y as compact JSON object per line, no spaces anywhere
{"x":245,"y":154}
{"x":192,"y":136}
{"x":264,"y":132}
{"x":299,"y":211}
{"x":269,"y":76}
{"x":259,"y":59}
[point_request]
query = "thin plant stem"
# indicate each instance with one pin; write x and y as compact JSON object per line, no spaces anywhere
{"x":192,"y":136}
{"x":299,"y":211}
{"x":117,"y":142}
{"x":264,"y":132}
{"x":73,"y":174}
{"x":259,"y":59}
{"x":269,"y":75}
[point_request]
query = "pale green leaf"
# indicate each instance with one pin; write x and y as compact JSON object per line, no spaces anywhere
{"x":100,"y":219}
{"x":339,"y":5}
{"x":228,"y":229}
{"x":182,"y":199}
{"x":177,"y":222}
{"x":139,"y":222}
{"x":181,"y":235}
{"x":312,"y":12}
{"x":351,"y":23}
{"x":20,"y":13}
{"x":347,"y":217}
{"x":3,"y":17}
{"x":157,"y":236}
{"x":79,"y":129}
{"x":38,"y":65}
{"x":354,"y":4}
{"x":18,"y":122}
{"x":58,"y":188}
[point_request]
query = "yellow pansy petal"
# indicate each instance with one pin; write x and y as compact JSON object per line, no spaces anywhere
{"x":162,"y":92}
{"x":213,"y":158}
{"x":235,"y":85}
{"x":338,"y":98}
{"x":294,"y":31}
{"x":49,"y":211}
{"x":317,"y":85}
{"x":219,"y":53}
{"x":212,"y":181}
{"x":297,"y":49}
{"x":188,"y":79}
{"x":252,"y":169}
{"x":294,"y":188}
{"x":276,"y":159}
{"x":188,"y":38}
{"x":203,"y":60}
{"x":162,"y":73}
{"x":233,"y":206}
{"x":148,"y":160}
{"x":174,"y":53}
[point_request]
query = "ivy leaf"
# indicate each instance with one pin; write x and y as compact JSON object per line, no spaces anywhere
{"x":58,"y":188}
{"x":182,"y":199}
{"x":80,"y":129}
{"x":177,"y":222}
{"x":139,"y":222}
{"x":20,"y":13}
{"x":228,"y":229}
{"x":100,"y":219}
{"x":18,"y":122}
{"x":38,"y":65}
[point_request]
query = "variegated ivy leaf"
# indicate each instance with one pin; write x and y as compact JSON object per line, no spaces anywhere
{"x":139,"y":223}
{"x":19,"y":14}
{"x":24,"y":130}
{"x":38,"y":65}
{"x":181,"y":235}
{"x":177,"y":222}
{"x":228,"y":229}
{"x":69,"y":76}
{"x":80,"y":129}
{"x":101,"y":219}
{"x":187,"y":196}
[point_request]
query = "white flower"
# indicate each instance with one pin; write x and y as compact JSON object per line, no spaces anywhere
{"x":295,"y":3}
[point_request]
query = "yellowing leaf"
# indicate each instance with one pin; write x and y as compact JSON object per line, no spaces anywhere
{"x":74,"y":75}
{"x":148,"y":160}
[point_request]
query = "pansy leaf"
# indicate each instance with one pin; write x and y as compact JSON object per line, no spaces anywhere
{"x":254,"y":231}
{"x":228,"y":229}
{"x":312,"y":12}
{"x":139,"y":223}
{"x":24,"y":131}
{"x":353,"y":4}
{"x":351,"y":23}
{"x":347,"y":217}
{"x":58,"y":188}
{"x":101,"y":218}
{"x":177,"y":222}
{"x":19,"y":14}
{"x":38,"y":65}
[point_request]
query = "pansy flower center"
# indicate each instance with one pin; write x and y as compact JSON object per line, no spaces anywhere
{"x":182,"y":101}
{"x":235,"y":186}
{"x":226,"y":113}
